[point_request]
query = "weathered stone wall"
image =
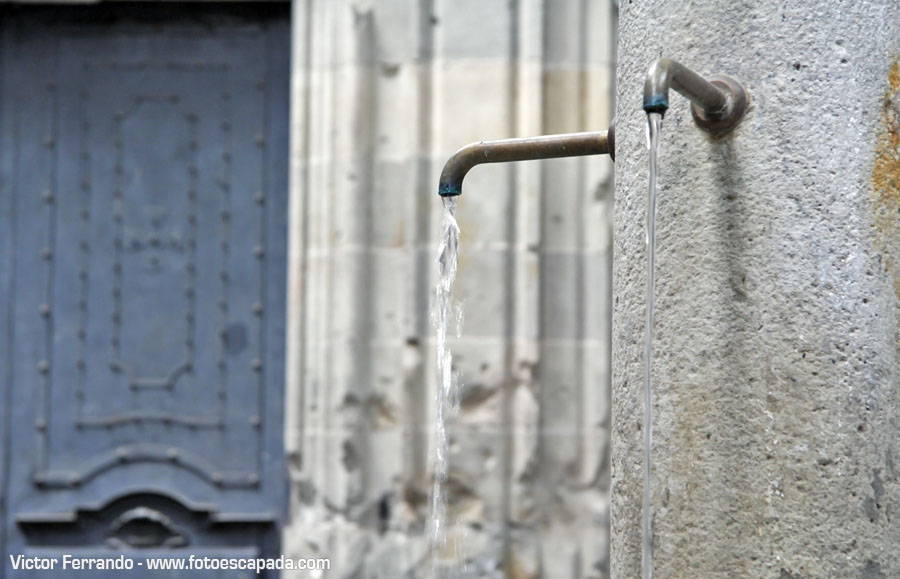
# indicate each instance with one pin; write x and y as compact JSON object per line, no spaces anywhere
{"x":384,"y":92}
{"x":777,"y":419}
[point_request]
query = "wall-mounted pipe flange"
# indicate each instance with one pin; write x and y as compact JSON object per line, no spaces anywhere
{"x":736,"y":107}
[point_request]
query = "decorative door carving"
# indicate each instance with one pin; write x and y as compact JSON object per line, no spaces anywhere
{"x":143,"y":195}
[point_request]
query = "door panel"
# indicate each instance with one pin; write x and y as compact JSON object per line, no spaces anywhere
{"x":144,"y":197}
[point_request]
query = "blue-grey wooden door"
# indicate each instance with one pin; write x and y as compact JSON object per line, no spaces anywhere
{"x":143,"y":196}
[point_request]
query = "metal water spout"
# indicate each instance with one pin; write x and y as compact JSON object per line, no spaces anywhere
{"x":718,"y":103}
{"x":523,"y":149}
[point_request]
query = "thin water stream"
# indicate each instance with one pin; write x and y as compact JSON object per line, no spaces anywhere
{"x":654,"y":123}
{"x":446,"y":395}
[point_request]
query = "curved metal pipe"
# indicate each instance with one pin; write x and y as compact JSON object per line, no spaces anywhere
{"x":523,"y":149}
{"x":718,"y":103}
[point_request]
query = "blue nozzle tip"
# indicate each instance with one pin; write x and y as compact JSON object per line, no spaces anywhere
{"x":657,"y":103}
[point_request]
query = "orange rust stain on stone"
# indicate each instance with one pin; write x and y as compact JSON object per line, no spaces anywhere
{"x":886,"y":178}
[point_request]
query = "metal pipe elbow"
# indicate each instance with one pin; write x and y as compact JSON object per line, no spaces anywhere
{"x":717,"y":104}
{"x":524,"y":149}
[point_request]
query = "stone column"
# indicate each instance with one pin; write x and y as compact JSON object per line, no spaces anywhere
{"x":384,"y":92}
{"x":777,"y":422}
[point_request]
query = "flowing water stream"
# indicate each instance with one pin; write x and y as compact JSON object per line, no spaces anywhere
{"x":654,"y":123}
{"x":447,"y":399}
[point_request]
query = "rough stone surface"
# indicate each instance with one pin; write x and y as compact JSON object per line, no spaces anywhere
{"x":777,"y":419}
{"x":384,"y":92}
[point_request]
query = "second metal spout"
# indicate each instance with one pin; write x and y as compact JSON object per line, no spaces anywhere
{"x":525,"y":149}
{"x":718,"y":103}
